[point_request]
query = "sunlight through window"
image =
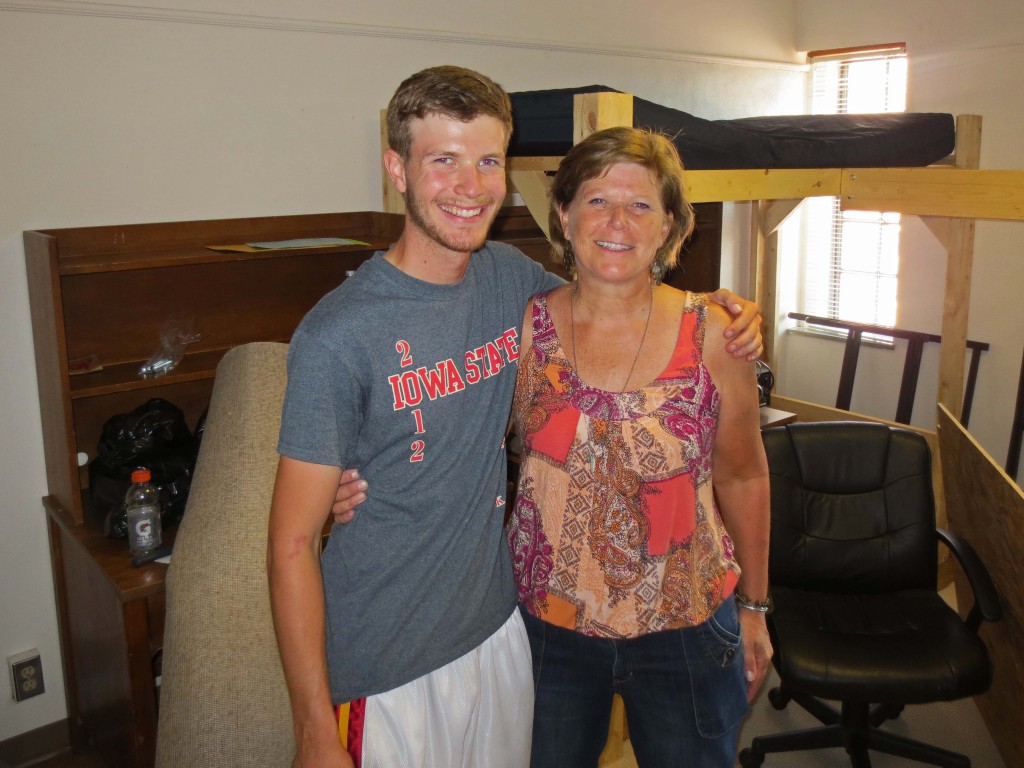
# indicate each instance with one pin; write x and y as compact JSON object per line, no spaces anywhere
{"x":851,"y":258}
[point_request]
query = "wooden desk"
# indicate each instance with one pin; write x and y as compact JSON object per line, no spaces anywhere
{"x":773,"y":417}
{"x":111,"y":627}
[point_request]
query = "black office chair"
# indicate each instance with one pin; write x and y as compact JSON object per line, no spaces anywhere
{"x":853,"y":571}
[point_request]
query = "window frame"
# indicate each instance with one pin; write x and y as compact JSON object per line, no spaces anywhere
{"x":824,"y":272}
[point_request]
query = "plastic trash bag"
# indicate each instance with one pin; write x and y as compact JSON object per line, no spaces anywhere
{"x":154,"y":436}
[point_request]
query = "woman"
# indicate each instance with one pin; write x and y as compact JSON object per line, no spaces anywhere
{"x":640,"y":530}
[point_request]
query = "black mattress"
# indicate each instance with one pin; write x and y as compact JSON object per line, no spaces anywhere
{"x":543,"y":127}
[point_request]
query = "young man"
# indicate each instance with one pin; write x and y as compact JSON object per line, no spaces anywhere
{"x":408,"y":622}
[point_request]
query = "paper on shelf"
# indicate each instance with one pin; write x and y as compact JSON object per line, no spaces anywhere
{"x":280,"y":245}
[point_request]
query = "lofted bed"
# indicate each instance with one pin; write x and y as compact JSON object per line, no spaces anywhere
{"x":950,"y":192}
{"x":543,"y":125}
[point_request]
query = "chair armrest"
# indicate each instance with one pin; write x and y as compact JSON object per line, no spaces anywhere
{"x":986,"y":598}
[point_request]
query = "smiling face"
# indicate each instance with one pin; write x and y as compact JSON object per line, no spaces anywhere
{"x":453,"y":182}
{"x":616,"y":224}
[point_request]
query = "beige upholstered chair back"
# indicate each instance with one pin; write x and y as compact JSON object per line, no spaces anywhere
{"x":223,"y":701}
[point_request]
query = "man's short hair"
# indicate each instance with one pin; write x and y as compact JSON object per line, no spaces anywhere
{"x":454,"y":92}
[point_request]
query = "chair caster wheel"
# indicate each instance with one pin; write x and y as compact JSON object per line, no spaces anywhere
{"x":748,"y":759}
{"x":778,"y":698}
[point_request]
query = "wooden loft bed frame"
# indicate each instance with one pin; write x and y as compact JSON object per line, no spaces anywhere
{"x":949,"y":198}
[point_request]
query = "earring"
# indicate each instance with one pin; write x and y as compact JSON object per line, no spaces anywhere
{"x":568,"y":258}
{"x":657,"y":271}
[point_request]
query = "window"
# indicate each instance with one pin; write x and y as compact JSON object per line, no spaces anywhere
{"x":851,"y":258}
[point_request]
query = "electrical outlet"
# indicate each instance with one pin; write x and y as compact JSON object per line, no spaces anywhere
{"x":26,"y":675}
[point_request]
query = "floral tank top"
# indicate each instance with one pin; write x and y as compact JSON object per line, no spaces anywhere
{"x":615,"y":532}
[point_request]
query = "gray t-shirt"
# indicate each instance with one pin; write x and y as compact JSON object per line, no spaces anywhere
{"x":412,"y":383}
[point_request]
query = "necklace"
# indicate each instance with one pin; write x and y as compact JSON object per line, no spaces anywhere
{"x":601,"y":442}
{"x":572,"y":333}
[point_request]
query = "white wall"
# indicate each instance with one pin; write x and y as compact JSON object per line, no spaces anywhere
{"x":118,"y":113}
{"x":964,"y":59}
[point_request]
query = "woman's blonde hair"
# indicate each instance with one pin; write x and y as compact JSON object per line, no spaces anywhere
{"x":591,"y":159}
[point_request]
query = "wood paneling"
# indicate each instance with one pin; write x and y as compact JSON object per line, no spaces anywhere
{"x":987,"y":508}
{"x":964,"y":193}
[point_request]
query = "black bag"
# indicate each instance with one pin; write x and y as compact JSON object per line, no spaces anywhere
{"x":154,"y":436}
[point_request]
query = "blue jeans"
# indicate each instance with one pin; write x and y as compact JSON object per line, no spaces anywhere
{"x":684,"y":691}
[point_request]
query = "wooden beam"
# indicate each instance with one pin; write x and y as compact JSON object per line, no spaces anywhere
{"x":926,"y":192}
{"x":534,"y":187}
{"x":764,"y":268}
{"x":533,"y":163}
{"x":959,"y":268}
{"x":940,"y":227}
{"x":967,"y":193}
{"x":776,"y":213}
{"x":766,"y":218}
{"x":761,"y":184}
{"x":967,"y":153}
{"x":618,"y":734}
{"x":807,"y":411}
{"x":597,"y":111}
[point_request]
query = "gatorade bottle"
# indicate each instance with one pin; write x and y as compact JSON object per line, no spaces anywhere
{"x":143,"y":507}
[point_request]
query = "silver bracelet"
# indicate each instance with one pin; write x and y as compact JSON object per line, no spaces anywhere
{"x":760,"y":606}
